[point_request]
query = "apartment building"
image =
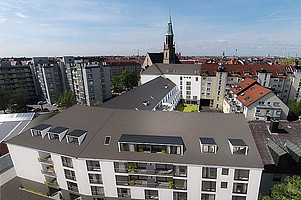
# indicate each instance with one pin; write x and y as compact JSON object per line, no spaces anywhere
{"x":18,"y":77}
{"x":279,"y":147}
{"x":210,"y":82}
{"x":254,"y":101}
{"x":90,"y":82}
{"x":49,"y":79}
{"x":159,"y":94}
{"x":112,"y":154}
{"x":118,"y":66}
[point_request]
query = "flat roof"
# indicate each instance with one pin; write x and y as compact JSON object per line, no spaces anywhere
{"x":41,"y":127}
{"x":58,"y":129}
{"x":100,"y":122}
{"x":77,"y":133}
{"x":207,"y":140}
{"x":237,"y":142}
{"x":151,"y":139}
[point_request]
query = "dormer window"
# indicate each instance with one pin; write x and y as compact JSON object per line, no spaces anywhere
{"x":238,"y":146}
{"x":58,"y":133}
{"x":208,"y":145}
{"x":151,"y":144}
{"x":76,"y":136}
{"x":40,"y":130}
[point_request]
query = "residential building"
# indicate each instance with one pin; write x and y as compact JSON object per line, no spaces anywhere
{"x":48,"y":78}
{"x":157,"y":95}
{"x":255,"y":102}
{"x":18,"y":77}
{"x":279,"y":146}
{"x":90,"y":82}
{"x":118,"y":66}
{"x":121,"y":153}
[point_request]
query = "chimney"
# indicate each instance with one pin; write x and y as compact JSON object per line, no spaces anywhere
{"x":274,"y":126}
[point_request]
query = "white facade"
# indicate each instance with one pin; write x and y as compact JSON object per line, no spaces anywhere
{"x":194,"y":181}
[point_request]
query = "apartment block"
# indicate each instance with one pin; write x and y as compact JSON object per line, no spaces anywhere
{"x":90,"y":82}
{"x":18,"y":77}
{"x":139,"y":154}
{"x":255,"y":102}
{"x":118,"y":66}
{"x":48,"y":78}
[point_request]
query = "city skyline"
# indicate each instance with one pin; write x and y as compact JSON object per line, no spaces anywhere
{"x":201,"y":28}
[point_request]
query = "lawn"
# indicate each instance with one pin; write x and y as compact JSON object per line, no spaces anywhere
{"x":188,"y":108}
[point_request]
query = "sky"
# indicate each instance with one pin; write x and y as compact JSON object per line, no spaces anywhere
{"x":124,"y":27}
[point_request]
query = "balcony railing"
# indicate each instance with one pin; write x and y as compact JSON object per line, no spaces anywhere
{"x":52,"y":183}
{"x":73,"y":188}
{"x":47,"y":172}
{"x":143,"y":183}
{"x":161,"y":172}
{"x":45,"y":160}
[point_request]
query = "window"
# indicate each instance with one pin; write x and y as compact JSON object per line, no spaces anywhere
{"x":181,"y":78}
{"x":93,"y":165}
{"x":209,"y":186}
{"x":261,"y":103}
{"x":188,"y":93}
{"x":90,"y":83}
{"x":238,"y":198}
{"x":278,"y":112}
{"x":188,"y":87}
{"x":67,"y":162}
{"x":240,"y":188}
{"x":209,"y":172}
{"x":72,"y":186}
{"x":224,"y":184}
{"x":241,"y":174}
{"x":107,"y":140}
{"x":96,"y":190}
{"x":196,"y":79}
{"x":208,"y":197}
{"x":188,"y":83}
{"x":225,"y":171}
{"x":151,"y":194}
{"x":95,"y":178}
{"x":69,"y":174}
{"x":277,"y":104}
{"x":124,"y":192}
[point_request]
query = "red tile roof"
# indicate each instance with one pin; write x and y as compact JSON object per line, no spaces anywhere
{"x":247,"y":71}
{"x":253,"y":94}
{"x":243,"y":85}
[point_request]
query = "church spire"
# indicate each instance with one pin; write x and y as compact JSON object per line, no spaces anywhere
{"x":169,"y":28}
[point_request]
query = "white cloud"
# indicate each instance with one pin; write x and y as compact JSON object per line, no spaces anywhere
{"x":20,"y":15}
{"x":2,"y":19}
{"x":221,"y":40}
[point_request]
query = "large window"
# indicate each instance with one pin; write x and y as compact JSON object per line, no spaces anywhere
{"x":179,"y":196}
{"x":67,"y":162}
{"x":93,"y":165}
{"x":72,"y":186}
{"x":209,"y":186}
{"x":241,"y":174}
{"x":208,"y":197}
{"x":95,"y":178}
{"x":151,"y":194}
{"x":209,"y":172}
{"x":70,"y":174}
{"x":96,"y":190}
{"x":240,"y":188}
{"x":124,"y":192}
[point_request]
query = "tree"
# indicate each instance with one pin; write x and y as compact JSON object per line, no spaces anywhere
{"x":129,"y":79}
{"x":295,"y":111}
{"x":4,"y":99}
{"x":18,"y":100}
{"x":290,"y":61}
{"x":290,"y":189}
{"x":98,"y":103}
{"x":116,"y":84}
{"x":66,"y":99}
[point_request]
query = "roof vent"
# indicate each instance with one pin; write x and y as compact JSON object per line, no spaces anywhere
{"x":146,"y":103}
{"x":107,"y":140}
{"x":274,"y":126}
{"x":166,"y":86}
{"x":152,"y":97}
{"x":136,"y":109}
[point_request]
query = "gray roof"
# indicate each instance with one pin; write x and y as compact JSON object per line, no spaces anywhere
{"x":151,"y":139}
{"x":41,"y":127}
{"x":58,"y":129}
{"x":207,"y":140}
{"x":237,"y":142}
{"x":153,"y":91}
{"x":179,"y":69}
{"x":102,"y":122}
{"x":77,"y":133}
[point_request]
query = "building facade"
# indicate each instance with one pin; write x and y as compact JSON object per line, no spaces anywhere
{"x":74,"y":156}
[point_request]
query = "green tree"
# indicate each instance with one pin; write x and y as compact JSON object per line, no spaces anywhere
{"x":116,"y":84}
{"x":4,"y":99}
{"x":98,"y":103}
{"x":295,"y":111}
{"x":290,"y":61}
{"x":66,"y":99}
{"x":18,"y":100}
{"x":129,"y":79}
{"x":290,"y":189}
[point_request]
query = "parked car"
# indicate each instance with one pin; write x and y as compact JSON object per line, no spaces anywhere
{"x":45,"y":110}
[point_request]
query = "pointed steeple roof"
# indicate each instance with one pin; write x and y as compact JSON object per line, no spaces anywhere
{"x":169,"y":28}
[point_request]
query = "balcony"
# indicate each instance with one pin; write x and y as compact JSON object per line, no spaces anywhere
{"x":49,"y":170}
{"x":52,"y":183}
{"x":46,"y":160}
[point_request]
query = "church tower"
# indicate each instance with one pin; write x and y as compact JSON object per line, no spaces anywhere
{"x":169,"y":52}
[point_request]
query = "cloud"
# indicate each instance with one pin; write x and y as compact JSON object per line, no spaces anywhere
{"x":2,"y":19}
{"x":20,"y":15}
{"x":44,"y":25}
{"x":222,"y":41}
